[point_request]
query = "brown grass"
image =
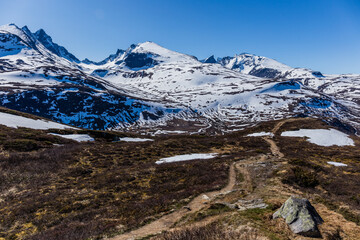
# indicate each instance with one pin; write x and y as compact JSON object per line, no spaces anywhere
{"x":213,"y":231}
{"x":80,"y":191}
{"x":308,"y":169}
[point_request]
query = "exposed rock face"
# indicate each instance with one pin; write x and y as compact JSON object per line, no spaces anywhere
{"x":301,"y":216}
{"x":210,"y":59}
{"x":46,"y":40}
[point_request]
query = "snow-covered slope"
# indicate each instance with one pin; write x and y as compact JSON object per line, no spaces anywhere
{"x":226,"y":94}
{"x":60,"y":51}
{"x":39,"y":79}
{"x":150,"y":86}
{"x":15,"y":121}
{"x":265,"y":67}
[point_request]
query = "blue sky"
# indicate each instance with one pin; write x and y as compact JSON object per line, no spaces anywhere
{"x":322,"y":35}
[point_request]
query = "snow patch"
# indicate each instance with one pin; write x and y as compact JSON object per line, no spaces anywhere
{"x":261,"y":134}
{"x":337,"y":164}
{"x":15,"y":121}
{"x":75,"y":137}
{"x":129,"y":139}
{"x":187,"y":157}
{"x":322,"y":137}
{"x":158,"y":132}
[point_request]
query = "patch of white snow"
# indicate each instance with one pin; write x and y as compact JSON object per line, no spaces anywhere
{"x":16,"y":121}
{"x":261,"y":134}
{"x":75,"y":137}
{"x":187,"y":157}
{"x":322,"y":137}
{"x":129,"y":139}
{"x":337,"y":164}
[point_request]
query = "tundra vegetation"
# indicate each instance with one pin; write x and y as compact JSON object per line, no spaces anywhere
{"x":56,"y":188}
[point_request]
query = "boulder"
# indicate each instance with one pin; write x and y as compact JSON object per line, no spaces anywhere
{"x":301,"y":216}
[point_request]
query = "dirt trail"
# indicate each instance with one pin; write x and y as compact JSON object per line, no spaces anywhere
{"x":279,"y":124}
{"x":165,"y":222}
{"x":273,"y":147}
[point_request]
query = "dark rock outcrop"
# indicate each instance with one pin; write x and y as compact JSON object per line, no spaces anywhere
{"x":210,"y":59}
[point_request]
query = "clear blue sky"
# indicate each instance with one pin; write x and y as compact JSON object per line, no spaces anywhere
{"x":320,"y":34}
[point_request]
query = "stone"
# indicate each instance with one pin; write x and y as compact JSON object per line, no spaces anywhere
{"x":243,"y":205}
{"x":301,"y":217}
{"x":205,"y":197}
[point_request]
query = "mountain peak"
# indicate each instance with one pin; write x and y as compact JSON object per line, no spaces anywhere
{"x":210,"y":59}
{"x":25,"y":29}
{"x":161,"y":53}
{"x":43,"y":37}
{"x":148,"y":46}
{"x":46,"y":40}
{"x":10,"y":27}
{"x":41,"y":32}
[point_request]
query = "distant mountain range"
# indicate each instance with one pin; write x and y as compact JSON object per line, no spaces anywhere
{"x":152,"y":89}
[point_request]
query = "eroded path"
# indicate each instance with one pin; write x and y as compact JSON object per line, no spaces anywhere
{"x":166,"y":222}
{"x":273,"y":147}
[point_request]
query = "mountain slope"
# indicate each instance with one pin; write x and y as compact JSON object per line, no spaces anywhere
{"x":152,"y":88}
{"x":265,"y":67}
{"x":60,"y":51}
{"x":227,"y":94}
{"x":13,"y":119}
{"x":35,"y":80}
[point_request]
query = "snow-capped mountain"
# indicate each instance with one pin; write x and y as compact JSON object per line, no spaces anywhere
{"x":36,"y":80}
{"x":265,"y":67}
{"x":60,"y":51}
{"x":150,"y":86}
{"x":226,"y":93}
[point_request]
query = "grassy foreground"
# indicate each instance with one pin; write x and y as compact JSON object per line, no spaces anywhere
{"x":53,"y":188}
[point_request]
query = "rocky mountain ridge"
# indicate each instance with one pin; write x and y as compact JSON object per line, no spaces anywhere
{"x":152,"y":88}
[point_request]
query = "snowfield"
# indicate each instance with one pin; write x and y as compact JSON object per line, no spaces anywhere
{"x":187,"y":157}
{"x":322,"y":137}
{"x":129,"y":139}
{"x":15,"y":121}
{"x":75,"y":137}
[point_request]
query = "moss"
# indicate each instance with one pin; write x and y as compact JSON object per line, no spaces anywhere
{"x":256,"y":214}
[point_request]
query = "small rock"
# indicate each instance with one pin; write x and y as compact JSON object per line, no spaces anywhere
{"x":205,"y":197}
{"x":250,"y":204}
{"x":187,"y":208}
{"x":301,"y":216}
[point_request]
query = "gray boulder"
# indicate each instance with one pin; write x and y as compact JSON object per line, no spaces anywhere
{"x":301,"y":216}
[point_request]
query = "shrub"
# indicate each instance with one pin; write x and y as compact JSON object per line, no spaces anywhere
{"x":212,"y":231}
{"x":301,"y":176}
{"x":21,"y":145}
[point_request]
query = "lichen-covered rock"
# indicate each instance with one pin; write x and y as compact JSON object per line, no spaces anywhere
{"x":243,"y":205}
{"x":301,"y":216}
